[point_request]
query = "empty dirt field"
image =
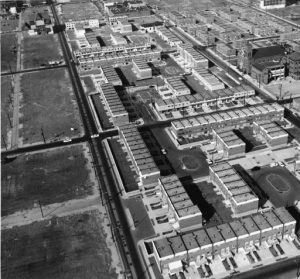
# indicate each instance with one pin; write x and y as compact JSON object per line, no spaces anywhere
{"x":48,"y":103}
{"x":8,"y":52}
{"x":6,"y":110}
{"x":70,"y":247}
{"x":54,"y":176}
{"x":40,"y":50}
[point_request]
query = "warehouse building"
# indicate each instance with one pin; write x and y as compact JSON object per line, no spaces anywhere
{"x":111,"y":75}
{"x":235,"y":118}
{"x":227,"y":141}
{"x":234,"y":189}
{"x":271,"y":132}
{"x":141,"y":68}
{"x":114,"y":104}
{"x":194,"y":247}
{"x":182,"y":213}
{"x":140,"y":156}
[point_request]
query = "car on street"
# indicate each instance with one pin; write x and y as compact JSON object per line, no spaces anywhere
{"x":65,"y":140}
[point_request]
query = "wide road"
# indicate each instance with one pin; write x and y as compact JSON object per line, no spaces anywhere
{"x":31,"y":70}
{"x":107,"y":183}
{"x":59,"y":143}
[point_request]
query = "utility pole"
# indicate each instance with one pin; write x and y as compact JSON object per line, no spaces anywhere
{"x":9,"y":119}
{"x":41,"y":209}
{"x":42,"y":132}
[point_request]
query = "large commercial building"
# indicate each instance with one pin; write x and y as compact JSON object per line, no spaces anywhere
{"x":235,"y":118}
{"x":182,"y":213}
{"x":113,"y":104}
{"x":233,"y":188}
{"x":271,"y":132}
{"x":193,"y":248}
{"x":140,"y":156}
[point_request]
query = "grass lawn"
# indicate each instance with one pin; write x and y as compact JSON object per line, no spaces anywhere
{"x":38,"y":50}
{"x":71,"y":247}
{"x":8,"y":52}
{"x":6,"y":108}
{"x":48,"y":102}
{"x":50,"y":177}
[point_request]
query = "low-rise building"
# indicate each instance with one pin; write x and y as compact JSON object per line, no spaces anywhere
{"x":233,"y":188}
{"x":235,"y":118}
{"x":177,"y":86}
{"x":111,"y":75}
{"x":293,"y":65}
{"x":141,"y":68}
{"x":143,"y":163}
{"x":114,"y":105}
{"x":173,"y":254}
{"x":207,"y":79}
{"x":228,"y":142}
{"x":271,"y":132}
{"x":183,"y":214}
{"x":192,"y":57}
{"x":167,"y":36}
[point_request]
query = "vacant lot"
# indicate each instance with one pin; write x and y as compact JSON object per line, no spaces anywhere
{"x":288,"y":88}
{"x":8,"y":52}
{"x":48,"y":104}
{"x":68,"y":247}
{"x":9,"y":24}
{"x":48,"y":177}
{"x":39,"y":50}
{"x":6,"y":109}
